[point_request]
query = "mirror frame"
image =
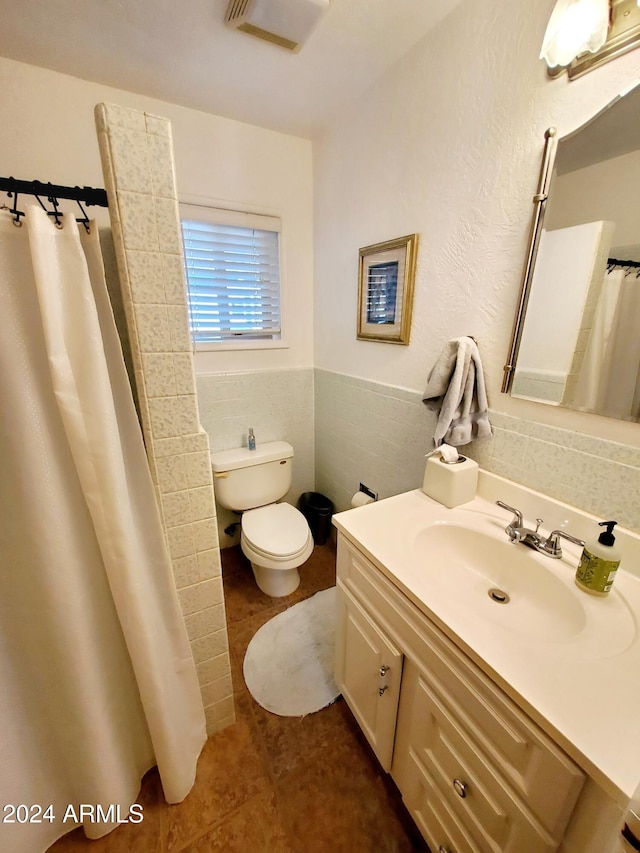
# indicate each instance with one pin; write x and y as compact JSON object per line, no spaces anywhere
{"x":540,"y":204}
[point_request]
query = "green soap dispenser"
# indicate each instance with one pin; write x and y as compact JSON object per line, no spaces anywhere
{"x":599,"y":562}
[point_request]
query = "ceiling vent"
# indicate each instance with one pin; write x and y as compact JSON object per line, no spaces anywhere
{"x":288,"y":23}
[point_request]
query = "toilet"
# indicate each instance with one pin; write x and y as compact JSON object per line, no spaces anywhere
{"x":275,"y":536}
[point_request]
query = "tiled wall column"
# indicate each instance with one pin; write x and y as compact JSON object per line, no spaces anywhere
{"x":137,"y":160}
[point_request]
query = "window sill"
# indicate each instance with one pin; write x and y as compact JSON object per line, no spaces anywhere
{"x":233,"y":346}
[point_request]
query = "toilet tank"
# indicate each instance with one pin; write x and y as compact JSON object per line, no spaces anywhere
{"x":245,"y":479}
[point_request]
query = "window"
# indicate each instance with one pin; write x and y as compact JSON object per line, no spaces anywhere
{"x":232,"y":262}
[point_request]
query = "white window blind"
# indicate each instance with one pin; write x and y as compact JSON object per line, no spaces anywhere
{"x":233,"y":274}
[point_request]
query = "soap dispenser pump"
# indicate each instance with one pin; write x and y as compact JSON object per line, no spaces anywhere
{"x":251,"y":440}
{"x":599,"y":562}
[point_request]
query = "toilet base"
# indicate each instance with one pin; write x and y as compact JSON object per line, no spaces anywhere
{"x":276,"y":582}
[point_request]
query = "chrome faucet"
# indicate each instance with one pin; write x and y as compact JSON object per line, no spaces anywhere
{"x":517,"y":532}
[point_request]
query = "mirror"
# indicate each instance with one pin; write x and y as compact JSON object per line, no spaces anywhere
{"x":576,"y":338}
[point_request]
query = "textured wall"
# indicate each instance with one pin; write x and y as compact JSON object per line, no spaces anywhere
{"x":448,"y":144}
{"x":137,"y":156}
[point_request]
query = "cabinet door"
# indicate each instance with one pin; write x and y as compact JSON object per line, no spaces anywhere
{"x":368,"y":672}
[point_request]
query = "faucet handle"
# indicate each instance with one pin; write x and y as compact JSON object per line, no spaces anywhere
{"x":552,"y":545}
{"x":517,"y":515}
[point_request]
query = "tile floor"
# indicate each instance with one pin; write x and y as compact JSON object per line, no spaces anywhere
{"x":271,"y":784}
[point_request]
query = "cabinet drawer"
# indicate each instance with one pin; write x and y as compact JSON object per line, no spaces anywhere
{"x":430,"y":736}
{"x":436,"y":821}
{"x":544,"y":776}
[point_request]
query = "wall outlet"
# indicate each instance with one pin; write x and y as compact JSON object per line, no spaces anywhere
{"x":368,"y":491}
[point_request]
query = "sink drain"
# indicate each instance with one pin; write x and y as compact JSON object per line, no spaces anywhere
{"x":499,"y":595}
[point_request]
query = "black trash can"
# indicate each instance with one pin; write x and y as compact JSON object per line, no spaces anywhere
{"x":317,"y":509}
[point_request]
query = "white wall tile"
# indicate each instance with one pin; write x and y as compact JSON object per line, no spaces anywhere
{"x":200,"y":596}
{"x":174,"y":279}
{"x":205,"y":621}
{"x":130,"y":159}
{"x":185,"y":571}
{"x":209,"y":563}
{"x":212,"y":669}
{"x":201,"y":503}
{"x":198,"y":469}
{"x":183,"y":372}
{"x":159,"y":375}
{"x":179,"y":329}
{"x":177,"y":508}
{"x":167,"y":218}
{"x":160,"y":164}
{"x":172,"y":475}
{"x":209,"y":646}
{"x":371,"y":433}
{"x":138,"y":220}
{"x":114,"y":115}
{"x":205,"y":534}
{"x":146,"y":275}
{"x":157,"y":125}
{"x":153,"y":328}
{"x":181,"y":540}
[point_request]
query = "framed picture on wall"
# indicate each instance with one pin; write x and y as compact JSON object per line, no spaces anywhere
{"x":385,"y":291}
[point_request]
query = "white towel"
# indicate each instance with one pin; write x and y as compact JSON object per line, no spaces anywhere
{"x":456,"y":387}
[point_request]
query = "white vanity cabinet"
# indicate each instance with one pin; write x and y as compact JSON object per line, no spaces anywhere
{"x":477,"y":775}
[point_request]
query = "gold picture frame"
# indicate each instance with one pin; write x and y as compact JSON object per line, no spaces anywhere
{"x":385,"y":290}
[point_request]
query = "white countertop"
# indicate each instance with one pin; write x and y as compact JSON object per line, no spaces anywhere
{"x":586,"y":699}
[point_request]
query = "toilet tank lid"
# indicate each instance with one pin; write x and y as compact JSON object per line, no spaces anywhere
{"x":242,"y":457}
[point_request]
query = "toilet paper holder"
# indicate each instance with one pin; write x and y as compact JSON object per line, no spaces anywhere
{"x":363,"y":496}
{"x":368,"y":491}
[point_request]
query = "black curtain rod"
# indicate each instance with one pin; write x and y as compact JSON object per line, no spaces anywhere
{"x":88,"y":195}
{"x":614,"y":262}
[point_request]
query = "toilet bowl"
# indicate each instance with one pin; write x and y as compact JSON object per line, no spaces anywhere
{"x":276,"y":540}
{"x":275,"y":537}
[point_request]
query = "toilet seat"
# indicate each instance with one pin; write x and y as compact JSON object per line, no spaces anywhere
{"x":277,"y":532}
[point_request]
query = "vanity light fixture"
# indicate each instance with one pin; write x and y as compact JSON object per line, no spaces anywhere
{"x":584,"y":34}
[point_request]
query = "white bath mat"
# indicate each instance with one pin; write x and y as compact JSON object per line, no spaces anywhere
{"x":288,"y":666}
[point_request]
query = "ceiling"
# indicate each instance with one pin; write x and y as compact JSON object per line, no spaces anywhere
{"x":182,"y":52}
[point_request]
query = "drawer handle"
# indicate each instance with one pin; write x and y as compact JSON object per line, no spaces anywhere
{"x":460,"y":788}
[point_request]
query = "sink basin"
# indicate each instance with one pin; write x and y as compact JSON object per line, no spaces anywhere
{"x":509,"y":585}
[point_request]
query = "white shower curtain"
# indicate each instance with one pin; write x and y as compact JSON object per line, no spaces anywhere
{"x":609,"y":381}
{"x":97,"y":681}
